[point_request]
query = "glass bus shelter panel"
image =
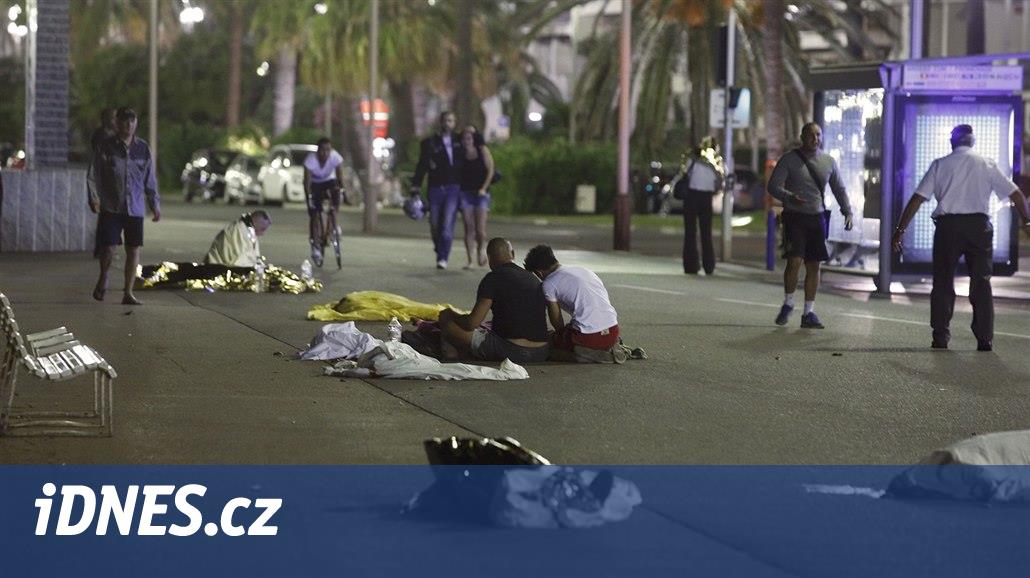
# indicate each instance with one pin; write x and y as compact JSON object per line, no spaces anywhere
{"x":852,"y":135}
{"x":925,"y":124}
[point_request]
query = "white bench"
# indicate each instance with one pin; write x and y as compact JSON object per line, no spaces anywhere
{"x":52,"y":356}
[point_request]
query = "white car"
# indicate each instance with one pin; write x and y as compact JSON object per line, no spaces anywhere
{"x":282,"y":174}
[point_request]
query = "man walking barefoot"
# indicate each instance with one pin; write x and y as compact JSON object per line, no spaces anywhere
{"x":121,"y":180}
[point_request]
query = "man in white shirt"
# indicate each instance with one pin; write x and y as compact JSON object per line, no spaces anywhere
{"x":579,"y":292}
{"x":962,"y":183}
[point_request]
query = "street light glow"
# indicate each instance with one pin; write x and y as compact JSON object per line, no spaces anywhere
{"x":321,"y":8}
{"x":191,"y":15}
{"x":262,"y":69}
{"x":13,"y":12}
{"x":17,"y":30}
{"x":536,"y":117}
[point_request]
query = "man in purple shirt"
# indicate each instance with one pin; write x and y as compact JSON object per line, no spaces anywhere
{"x":122,"y":184}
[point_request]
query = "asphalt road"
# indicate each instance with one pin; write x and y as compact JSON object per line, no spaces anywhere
{"x":207,"y":378}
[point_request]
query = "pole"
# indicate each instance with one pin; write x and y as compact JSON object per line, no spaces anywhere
{"x":915,"y":35}
{"x":371,"y":196}
{"x":152,"y":106}
{"x":727,"y":152}
{"x":622,"y":230}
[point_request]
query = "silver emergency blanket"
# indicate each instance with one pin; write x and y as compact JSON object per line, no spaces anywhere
{"x":235,"y":246}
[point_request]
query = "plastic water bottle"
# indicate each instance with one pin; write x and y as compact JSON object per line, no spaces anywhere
{"x":393,"y":330}
{"x":305,"y":272}
{"x":259,"y":277}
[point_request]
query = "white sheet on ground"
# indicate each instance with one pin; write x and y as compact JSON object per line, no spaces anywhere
{"x":339,"y":341}
{"x":396,"y":360}
{"x":988,"y":468}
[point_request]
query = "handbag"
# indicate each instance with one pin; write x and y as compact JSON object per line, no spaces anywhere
{"x":497,"y":177}
{"x":825,"y":214}
{"x":680,"y":193}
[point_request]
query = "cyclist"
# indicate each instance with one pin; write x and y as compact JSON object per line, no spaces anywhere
{"x":323,"y":178}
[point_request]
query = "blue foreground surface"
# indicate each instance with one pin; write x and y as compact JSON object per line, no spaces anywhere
{"x":348,"y":520}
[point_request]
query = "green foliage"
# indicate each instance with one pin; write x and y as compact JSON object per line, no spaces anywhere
{"x":177,"y":141}
{"x":299,"y":135}
{"x":541,"y":177}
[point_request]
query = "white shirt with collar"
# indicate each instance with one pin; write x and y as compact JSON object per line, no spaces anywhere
{"x":962,"y":183}
{"x":448,"y":143}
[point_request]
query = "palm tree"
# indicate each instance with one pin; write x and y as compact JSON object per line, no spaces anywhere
{"x":659,"y":29}
{"x":235,"y":14}
{"x":280,"y":26}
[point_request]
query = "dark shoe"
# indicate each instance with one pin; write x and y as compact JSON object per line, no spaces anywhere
{"x":130,"y":299}
{"x":984,"y":346}
{"x":784,"y":314}
{"x":811,"y":321}
{"x":637,"y":353}
{"x":98,"y":293}
{"x":938,"y":345}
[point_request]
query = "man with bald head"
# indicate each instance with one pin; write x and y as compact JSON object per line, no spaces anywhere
{"x":519,"y":324}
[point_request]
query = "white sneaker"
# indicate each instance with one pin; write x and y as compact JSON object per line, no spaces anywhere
{"x":441,"y":264}
{"x":316,"y":256}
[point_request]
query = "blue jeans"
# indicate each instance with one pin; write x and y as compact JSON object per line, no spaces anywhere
{"x":443,"y":207}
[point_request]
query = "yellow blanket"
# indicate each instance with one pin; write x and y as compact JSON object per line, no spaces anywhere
{"x":377,"y":306}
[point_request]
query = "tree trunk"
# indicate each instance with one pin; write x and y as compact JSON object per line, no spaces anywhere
{"x":236,"y":29}
{"x":402,"y":119}
{"x":465,"y":101}
{"x":285,"y":88}
{"x":772,"y":37}
{"x":354,"y":134}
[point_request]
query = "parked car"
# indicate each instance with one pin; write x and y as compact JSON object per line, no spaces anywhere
{"x":282,"y":174}
{"x":241,"y":180}
{"x":204,"y":174}
{"x":748,"y":191}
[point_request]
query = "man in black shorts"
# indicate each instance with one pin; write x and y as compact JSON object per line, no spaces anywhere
{"x":323,"y":178}
{"x":519,"y":326}
{"x":122,"y":185}
{"x":798,"y":182}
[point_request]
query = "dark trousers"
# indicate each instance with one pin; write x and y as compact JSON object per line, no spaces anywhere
{"x":697,"y":212}
{"x":969,"y":236}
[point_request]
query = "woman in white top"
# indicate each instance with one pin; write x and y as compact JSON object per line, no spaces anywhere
{"x":323,"y":178}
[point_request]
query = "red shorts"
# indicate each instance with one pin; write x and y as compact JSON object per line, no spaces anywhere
{"x":569,"y":337}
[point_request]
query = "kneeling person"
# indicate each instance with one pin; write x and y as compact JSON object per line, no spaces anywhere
{"x":237,"y":244}
{"x":519,"y":326}
{"x":580,"y":293}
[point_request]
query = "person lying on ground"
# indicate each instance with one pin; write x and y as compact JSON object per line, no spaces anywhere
{"x":237,"y":244}
{"x":519,"y":326}
{"x":593,"y":323}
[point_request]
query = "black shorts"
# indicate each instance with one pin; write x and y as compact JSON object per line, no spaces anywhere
{"x":110,"y":227}
{"x":319,"y":193}
{"x":804,"y":236}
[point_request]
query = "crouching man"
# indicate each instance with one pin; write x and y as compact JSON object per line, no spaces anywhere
{"x":578,"y":291}
{"x":519,"y":326}
{"x":237,"y":244}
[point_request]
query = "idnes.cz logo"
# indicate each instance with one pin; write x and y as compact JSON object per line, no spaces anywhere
{"x":112,"y":509}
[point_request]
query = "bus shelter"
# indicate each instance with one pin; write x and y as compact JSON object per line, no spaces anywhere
{"x":884,"y":125}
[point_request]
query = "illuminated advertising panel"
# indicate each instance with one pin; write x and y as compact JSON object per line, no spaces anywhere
{"x":923,"y":132}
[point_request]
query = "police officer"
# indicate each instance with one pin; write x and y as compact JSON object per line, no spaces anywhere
{"x":962,"y":183}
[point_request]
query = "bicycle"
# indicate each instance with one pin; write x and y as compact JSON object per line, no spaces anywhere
{"x":329,"y":233}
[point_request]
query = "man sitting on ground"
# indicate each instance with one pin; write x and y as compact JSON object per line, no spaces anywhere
{"x":580,"y":293}
{"x":519,"y":327}
{"x":237,"y":244}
